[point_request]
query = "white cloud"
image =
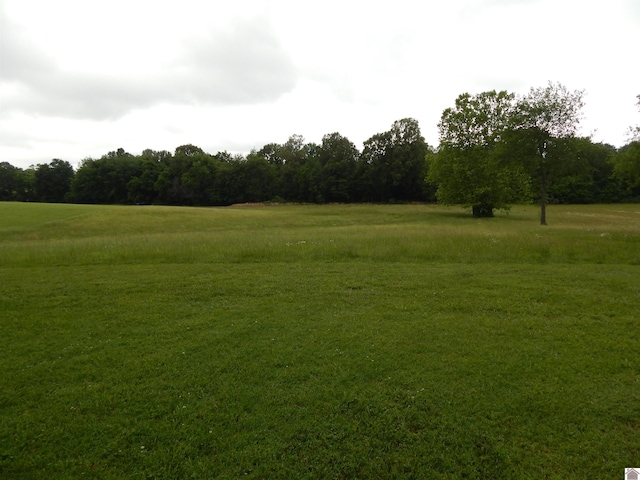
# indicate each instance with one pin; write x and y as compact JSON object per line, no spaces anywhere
{"x":243,"y":63}
{"x":81,"y":78}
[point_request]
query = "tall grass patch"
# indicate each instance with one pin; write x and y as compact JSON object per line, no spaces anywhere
{"x":149,"y":234}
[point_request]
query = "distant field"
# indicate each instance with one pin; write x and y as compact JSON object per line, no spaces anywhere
{"x":338,"y":341}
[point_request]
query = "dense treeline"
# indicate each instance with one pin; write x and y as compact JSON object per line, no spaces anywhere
{"x":468,"y":168}
{"x":390,"y":168}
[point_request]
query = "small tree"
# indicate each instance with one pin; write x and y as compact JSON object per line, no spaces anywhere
{"x":545,"y":118}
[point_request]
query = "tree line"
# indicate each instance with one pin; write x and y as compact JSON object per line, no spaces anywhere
{"x":390,"y":168}
{"x":495,"y":149}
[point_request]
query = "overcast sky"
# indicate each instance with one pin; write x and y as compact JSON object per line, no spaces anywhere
{"x":79,"y":78}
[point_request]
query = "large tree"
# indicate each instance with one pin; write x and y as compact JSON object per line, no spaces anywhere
{"x":186,"y":172}
{"x":298,"y":167}
{"x":338,"y":158}
{"x":141,"y":189}
{"x":53,"y":181}
{"x":106,"y":179}
{"x":392,"y":164}
{"x":240,"y":180}
{"x":465,"y":169}
{"x":545,"y":121}
{"x":11,"y":182}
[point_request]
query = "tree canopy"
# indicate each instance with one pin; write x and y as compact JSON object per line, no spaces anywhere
{"x":392,"y":165}
{"x":544,"y":120}
{"x":466,"y":168}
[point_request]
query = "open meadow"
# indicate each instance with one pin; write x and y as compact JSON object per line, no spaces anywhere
{"x":335,"y":341}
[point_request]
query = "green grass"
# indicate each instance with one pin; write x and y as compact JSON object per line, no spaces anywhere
{"x":404,"y":341}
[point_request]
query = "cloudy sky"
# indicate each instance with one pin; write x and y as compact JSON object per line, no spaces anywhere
{"x":79,"y":78}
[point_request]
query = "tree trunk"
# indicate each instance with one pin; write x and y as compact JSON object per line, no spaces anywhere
{"x":482,"y":211}
{"x":543,"y":199}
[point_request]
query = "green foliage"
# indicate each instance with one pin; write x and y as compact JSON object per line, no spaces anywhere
{"x":105,"y":180}
{"x":627,"y":167}
{"x":627,"y":162}
{"x":12,"y":182}
{"x":257,"y":179}
{"x":299,"y":170}
{"x":544,"y":119}
{"x":476,"y":120}
{"x":392,"y":165}
{"x":552,"y":112}
{"x":142,"y":188}
{"x":477,"y":178}
{"x":466,"y":169}
{"x":338,"y":158}
{"x":586,"y":175}
{"x":52,"y":181}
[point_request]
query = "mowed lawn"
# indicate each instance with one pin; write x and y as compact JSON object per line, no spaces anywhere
{"x":337,"y":341}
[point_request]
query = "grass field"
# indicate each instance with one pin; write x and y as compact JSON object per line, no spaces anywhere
{"x":338,"y":342}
